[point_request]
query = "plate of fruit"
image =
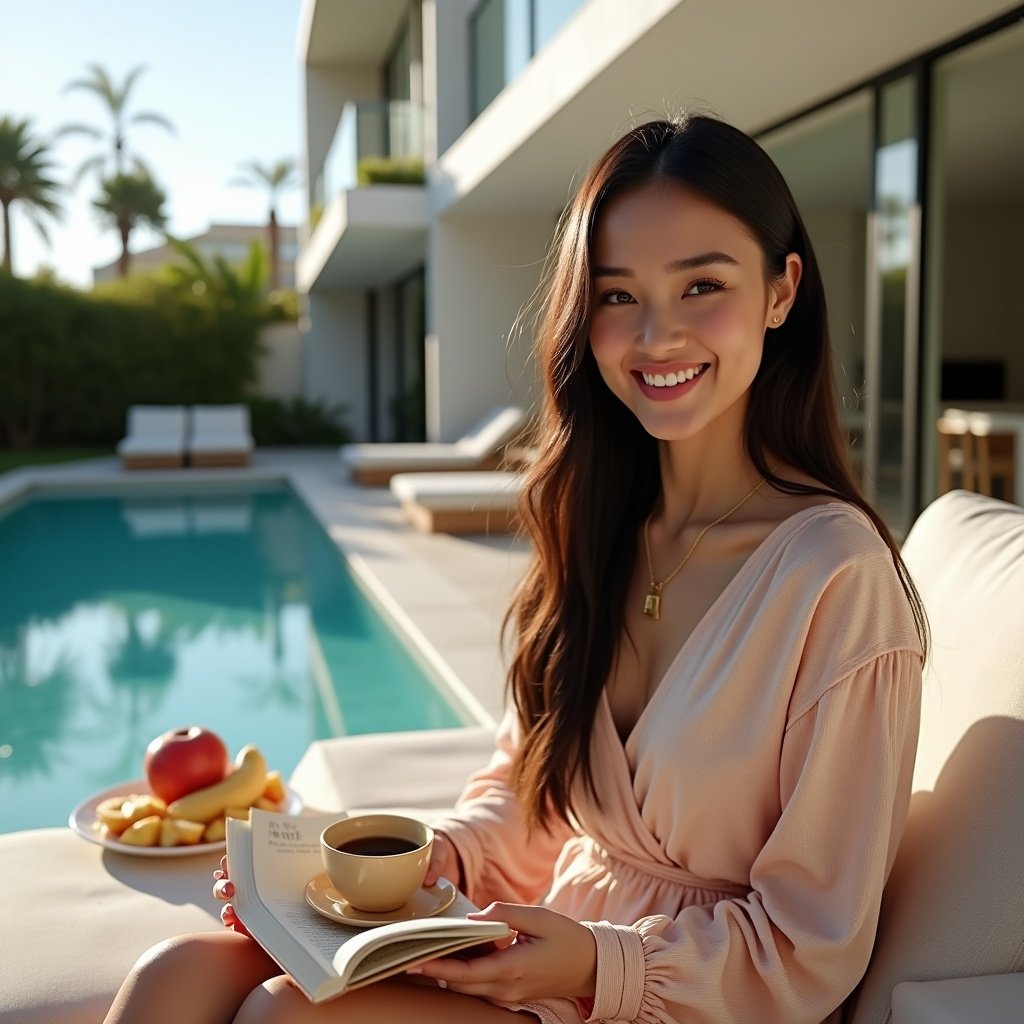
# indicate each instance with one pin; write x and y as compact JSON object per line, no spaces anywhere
{"x":191,"y":787}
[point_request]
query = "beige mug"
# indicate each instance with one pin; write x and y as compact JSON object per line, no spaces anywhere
{"x":376,"y":862}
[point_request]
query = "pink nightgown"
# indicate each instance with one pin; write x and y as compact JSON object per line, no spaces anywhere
{"x":733,"y":870}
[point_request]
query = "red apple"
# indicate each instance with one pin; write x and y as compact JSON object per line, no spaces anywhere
{"x":184,"y":760}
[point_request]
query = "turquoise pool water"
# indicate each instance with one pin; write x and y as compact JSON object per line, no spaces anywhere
{"x":121,"y":617}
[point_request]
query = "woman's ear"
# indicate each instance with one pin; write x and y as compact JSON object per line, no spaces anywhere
{"x":782,"y":291}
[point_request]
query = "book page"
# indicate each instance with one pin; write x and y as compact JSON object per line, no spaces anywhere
{"x":286,"y":855}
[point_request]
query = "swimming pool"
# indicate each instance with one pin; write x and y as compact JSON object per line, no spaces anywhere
{"x":123,"y":616}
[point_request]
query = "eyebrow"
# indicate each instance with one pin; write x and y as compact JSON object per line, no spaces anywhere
{"x":705,"y":259}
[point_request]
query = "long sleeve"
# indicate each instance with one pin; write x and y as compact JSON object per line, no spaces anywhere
{"x":500,"y":860}
{"x":792,"y":948}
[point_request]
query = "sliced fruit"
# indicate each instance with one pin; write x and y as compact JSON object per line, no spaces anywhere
{"x":179,"y":832}
{"x":143,"y":805}
{"x":144,"y":832}
{"x":274,"y":787}
{"x":215,"y":831}
{"x":110,"y":814}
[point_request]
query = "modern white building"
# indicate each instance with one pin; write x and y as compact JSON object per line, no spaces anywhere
{"x":898,"y":125}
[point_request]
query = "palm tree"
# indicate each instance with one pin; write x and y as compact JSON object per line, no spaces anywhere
{"x":236,"y":287}
{"x":274,"y":178}
{"x":127,"y":201}
{"x":115,"y":99}
{"x":24,"y":176}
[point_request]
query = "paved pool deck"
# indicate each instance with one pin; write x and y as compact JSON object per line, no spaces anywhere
{"x":446,"y":594}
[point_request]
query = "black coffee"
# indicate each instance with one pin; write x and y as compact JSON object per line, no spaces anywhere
{"x":378,"y":846}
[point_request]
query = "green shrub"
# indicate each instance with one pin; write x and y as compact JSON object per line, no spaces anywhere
{"x":386,"y":170}
{"x":71,"y":363}
{"x":296,"y":422}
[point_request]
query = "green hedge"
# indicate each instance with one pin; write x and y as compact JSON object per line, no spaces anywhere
{"x":386,"y":170}
{"x":71,"y":363}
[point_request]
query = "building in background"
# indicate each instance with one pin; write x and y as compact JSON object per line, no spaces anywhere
{"x":897,"y":125}
{"x":231,"y":241}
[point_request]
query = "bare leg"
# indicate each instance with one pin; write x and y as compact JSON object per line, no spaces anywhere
{"x":202,"y":979}
{"x":278,"y":1001}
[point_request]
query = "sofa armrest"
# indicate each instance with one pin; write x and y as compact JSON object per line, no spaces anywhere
{"x":409,"y":772}
{"x":989,"y":999}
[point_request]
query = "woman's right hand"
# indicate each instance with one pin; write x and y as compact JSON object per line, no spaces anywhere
{"x":444,"y":862}
{"x":224,"y":889}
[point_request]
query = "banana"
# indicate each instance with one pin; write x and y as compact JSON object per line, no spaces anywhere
{"x":239,"y":789}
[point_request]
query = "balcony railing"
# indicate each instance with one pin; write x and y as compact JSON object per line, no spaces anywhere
{"x":375,"y":142}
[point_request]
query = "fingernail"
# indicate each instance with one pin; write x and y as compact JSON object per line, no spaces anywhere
{"x":414,"y":970}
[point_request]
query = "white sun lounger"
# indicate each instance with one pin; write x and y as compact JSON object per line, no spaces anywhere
{"x":220,"y":435}
{"x":473,"y":502}
{"x":481,"y":448}
{"x":155,"y":437}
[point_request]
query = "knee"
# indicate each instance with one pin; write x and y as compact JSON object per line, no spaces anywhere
{"x":167,"y":957}
{"x":276,"y":1001}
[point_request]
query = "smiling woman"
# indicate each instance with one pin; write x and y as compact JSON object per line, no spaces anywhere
{"x":658,"y":822}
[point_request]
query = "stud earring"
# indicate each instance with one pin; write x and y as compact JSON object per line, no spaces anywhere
{"x":775,"y":320}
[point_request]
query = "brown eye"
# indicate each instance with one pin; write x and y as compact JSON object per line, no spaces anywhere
{"x":705,"y":286}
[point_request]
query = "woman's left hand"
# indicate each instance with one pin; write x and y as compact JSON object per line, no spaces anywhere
{"x":552,"y":955}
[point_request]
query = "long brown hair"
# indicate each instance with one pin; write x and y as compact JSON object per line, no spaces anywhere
{"x":596,"y":474}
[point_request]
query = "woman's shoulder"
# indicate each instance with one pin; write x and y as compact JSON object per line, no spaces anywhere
{"x":822,"y":527}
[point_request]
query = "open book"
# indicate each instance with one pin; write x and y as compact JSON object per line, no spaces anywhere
{"x":272,"y":857}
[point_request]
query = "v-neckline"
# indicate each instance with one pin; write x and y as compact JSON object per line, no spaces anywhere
{"x":763,"y":546}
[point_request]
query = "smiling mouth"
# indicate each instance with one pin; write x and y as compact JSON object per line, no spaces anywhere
{"x":671,"y":380}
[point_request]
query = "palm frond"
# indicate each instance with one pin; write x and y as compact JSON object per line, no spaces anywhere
{"x":78,"y":129}
{"x":152,"y":117}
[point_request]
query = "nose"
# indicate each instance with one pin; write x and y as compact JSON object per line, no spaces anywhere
{"x":662,"y":328}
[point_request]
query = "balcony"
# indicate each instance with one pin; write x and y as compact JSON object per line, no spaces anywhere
{"x":377,"y":142}
{"x":368,"y":211}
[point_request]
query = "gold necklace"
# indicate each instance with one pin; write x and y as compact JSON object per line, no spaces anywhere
{"x":652,"y":600}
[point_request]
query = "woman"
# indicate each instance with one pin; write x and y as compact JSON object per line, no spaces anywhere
{"x":696,"y":799}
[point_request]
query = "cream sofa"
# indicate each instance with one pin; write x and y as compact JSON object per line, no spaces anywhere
{"x":951,"y":938}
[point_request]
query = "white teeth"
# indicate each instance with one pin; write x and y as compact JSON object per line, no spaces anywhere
{"x":658,"y":380}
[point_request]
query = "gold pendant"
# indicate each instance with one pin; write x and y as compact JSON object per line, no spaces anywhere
{"x":652,"y":606}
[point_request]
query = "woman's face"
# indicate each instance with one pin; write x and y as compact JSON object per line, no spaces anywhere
{"x":680,"y":308}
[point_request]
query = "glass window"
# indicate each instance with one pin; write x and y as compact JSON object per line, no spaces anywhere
{"x":974,"y":318}
{"x":549,"y":17}
{"x":487,"y":42}
{"x":826,"y":159}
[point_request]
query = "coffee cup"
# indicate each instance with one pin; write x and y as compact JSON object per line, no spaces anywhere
{"x":376,"y":862}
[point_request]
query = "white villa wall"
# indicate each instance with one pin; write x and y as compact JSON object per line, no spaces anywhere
{"x":481,"y":272}
{"x":279,"y":370}
{"x":334,"y":367}
{"x":446,"y":85}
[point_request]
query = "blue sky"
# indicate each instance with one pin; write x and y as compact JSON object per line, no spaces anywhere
{"x":225,"y":72}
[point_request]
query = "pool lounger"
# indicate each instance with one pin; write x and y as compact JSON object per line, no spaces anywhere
{"x":220,"y":435}
{"x":480,"y":502}
{"x":482,"y":448}
{"x":155,"y":437}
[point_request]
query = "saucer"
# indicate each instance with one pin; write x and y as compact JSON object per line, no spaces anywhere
{"x":426,"y":902}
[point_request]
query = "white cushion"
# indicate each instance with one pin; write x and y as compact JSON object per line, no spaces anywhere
{"x":497,"y":428}
{"x":154,"y":430}
{"x":220,"y":428}
{"x":954,"y":905}
{"x":422,"y":455}
{"x":990,"y":999}
{"x":484,"y":439}
{"x":479,"y":491}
